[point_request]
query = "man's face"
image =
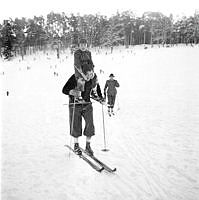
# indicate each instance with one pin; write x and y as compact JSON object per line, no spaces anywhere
{"x":81,"y":81}
{"x":90,"y":75}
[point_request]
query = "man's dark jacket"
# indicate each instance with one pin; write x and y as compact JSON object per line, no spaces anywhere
{"x":89,"y":85}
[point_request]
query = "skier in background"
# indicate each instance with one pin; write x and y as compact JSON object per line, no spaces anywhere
{"x":82,"y":61}
{"x":82,"y":109}
{"x":110,"y":89}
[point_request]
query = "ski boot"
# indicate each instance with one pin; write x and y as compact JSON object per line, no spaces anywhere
{"x":109,"y":112}
{"x":77,"y":149}
{"x":88,"y":149}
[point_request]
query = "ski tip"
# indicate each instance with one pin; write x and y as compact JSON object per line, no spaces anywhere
{"x":101,"y":169}
{"x":114,"y":170}
{"x":110,"y":170}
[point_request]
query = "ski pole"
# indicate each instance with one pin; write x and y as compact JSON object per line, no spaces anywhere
{"x":118,"y":105}
{"x":77,"y":103}
{"x":72,"y":123}
{"x":105,"y":149}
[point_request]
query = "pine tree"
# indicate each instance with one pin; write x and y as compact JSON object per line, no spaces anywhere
{"x":8,"y":39}
{"x":114,"y":33}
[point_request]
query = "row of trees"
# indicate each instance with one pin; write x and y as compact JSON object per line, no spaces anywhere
{"x":60,"y":31}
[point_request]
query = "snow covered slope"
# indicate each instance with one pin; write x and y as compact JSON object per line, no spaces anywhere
{"x":153,"y":138}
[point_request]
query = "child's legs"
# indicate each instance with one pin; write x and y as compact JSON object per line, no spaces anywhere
{"x":79,"y":78}
{"x":80,"y":84}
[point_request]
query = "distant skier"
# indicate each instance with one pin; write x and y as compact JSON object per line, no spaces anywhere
{"x":82,"y":109}
{"x":110,"y":89}
{"x":82,"y":63}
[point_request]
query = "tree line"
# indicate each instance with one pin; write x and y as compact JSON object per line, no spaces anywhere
{"x":59,"y":31}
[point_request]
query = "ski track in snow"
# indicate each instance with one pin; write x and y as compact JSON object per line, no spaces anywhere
{"x":153,"y":137}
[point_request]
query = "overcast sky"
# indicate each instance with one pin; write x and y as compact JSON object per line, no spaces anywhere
{"x":29,"y":8}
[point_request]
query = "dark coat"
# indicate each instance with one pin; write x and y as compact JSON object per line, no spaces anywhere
{"x":111,"y":85}
{"x":89,"y":85}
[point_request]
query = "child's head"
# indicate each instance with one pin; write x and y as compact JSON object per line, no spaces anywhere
{"x":80,"y":81}
{"x":83,"y":44}
{"x":111,"y":76}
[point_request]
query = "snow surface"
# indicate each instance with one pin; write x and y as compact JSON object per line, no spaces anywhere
{"x":153,"y":138}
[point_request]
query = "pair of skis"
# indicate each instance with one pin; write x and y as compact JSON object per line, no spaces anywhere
{"x":98,"y":165}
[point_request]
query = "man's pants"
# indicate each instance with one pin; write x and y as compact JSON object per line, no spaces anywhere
{"x":111,"y":100}
{"x":75,"y":115}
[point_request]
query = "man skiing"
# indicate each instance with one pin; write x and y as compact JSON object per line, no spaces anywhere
{"x":82,"y":61}
{"x":83,"y":109}
{"x":111,"y":84}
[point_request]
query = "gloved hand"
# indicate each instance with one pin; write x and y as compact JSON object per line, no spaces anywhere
{"x":75,"y":93}
{"x":94,"y":93}
{"x":103,"y":101}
